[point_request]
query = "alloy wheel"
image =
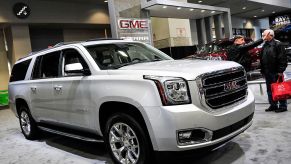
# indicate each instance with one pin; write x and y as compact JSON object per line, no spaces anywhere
{"x":124,"y":143}
{"x":25,"y":123}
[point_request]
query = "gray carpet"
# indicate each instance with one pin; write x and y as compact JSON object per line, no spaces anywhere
{"x":267,"y":141}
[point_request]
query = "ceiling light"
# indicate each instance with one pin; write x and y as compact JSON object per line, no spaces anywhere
{"x":200,"y":1}
{"x":202,"y":11}
{"x":179,"y":8}
{"x":244,"y":8}
{"x":191,"y":9}
{"x":105,"y":1}
{"x":212,"y":12}
{"x":274,"y":12}
{"x":262,"y":10}
{"x":164,"y":7}
{"x":255,"y":16}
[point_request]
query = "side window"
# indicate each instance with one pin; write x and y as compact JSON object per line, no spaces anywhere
{"x":36,"y":68}
{"x":19,"y":71}
{"x":72,"y":56}
{"x":47,"y":66}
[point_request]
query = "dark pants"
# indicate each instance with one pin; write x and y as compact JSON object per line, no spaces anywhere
{"x":272,"y":78}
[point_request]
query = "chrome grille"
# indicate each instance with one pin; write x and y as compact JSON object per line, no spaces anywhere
{"x":223,"y":88}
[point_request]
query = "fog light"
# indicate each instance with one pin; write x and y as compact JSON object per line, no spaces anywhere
{"x":194,"y":136}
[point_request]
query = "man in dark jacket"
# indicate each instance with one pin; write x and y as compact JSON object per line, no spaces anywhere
{"x":273,"y":64}
{"x":239,"y":51}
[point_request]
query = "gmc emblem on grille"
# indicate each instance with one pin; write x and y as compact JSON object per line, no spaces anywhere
{"x":231,"y":86}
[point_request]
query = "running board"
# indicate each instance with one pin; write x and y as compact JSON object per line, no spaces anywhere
{"x":70,"y":135}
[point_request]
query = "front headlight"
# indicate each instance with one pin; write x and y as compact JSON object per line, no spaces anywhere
{"x":173,"y":91}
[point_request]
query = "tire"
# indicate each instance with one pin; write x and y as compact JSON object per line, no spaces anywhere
{"x":27,"y":124}
{"x":126,"y":140}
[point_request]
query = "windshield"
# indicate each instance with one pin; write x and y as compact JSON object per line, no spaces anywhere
{"x":116,"y":55}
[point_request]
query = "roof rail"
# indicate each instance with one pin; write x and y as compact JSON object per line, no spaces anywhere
{"x":99,"y":39}
{"x":66,"y":43}
{"x":33,"y":53}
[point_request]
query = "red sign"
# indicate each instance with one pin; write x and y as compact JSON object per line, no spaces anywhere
{"x":132,"y":24}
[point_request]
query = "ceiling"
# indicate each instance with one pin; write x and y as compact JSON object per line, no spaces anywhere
{"x":174,"y":12}
{"x":252,"y":9}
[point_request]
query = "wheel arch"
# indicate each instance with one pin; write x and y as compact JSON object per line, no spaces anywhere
{"x":18,"y":103}
{"x":108,"y":108}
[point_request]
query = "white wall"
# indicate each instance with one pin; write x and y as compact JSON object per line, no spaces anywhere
{"x":179,"y":27}
{"x":264,"y":23}
{"x":238,"y":22}
{"x":160,"y":28}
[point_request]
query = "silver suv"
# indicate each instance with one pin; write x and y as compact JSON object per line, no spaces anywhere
{"x":131,"y":96}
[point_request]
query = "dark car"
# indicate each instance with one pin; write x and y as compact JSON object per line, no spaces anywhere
{"x":288,"y":53}
{"x":217,"y":50}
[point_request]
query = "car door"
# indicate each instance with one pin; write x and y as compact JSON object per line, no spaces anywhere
{"x":45,"y":70}
{"x":71,"y":92}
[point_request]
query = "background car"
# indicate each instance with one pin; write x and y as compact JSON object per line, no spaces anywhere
{"x":288,"y":53}
{"x":217,"y":50}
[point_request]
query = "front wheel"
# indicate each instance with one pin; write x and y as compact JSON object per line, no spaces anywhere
{"x":27,"y":124}
{"x":126,"y":141}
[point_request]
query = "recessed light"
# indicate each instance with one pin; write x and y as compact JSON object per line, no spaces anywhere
{"x":202,"y":11}
{"x":262,"y":10}
{"x":212,"y":12}
{"x":179,"y":8}
{"x":274,"y":12}
{"x":244,"y":8}
{"x":164,"y":7}
{"x":200,"y":1}
{"x":105,"y":1}
{"x":255,"y":16}
{"x":191,"y":9}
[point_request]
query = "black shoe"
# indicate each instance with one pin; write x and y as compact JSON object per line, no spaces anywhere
{"x":271,"y":108}
{"x":280,"y":109}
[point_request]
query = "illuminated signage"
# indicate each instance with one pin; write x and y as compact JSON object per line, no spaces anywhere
{"x":281,"y":20}
{"x":133,"y":24}
{"x":134,"y":29}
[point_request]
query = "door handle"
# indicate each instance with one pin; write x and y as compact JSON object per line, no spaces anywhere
{"x":57,"y":88}
{"x":33,"y":89}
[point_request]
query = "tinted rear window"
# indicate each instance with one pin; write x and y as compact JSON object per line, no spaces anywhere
{"x":19,"y":71}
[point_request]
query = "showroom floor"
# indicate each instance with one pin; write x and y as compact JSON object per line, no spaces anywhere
{"x":267,"y":141}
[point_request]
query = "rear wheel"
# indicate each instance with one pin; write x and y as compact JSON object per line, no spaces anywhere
{"x":126,"y":141}
{"x":27,"y":124}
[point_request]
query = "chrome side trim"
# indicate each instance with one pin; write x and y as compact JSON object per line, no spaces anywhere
{"x":70,"y":135}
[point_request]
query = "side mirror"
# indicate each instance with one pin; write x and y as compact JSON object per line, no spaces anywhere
{"x":76,"y":68}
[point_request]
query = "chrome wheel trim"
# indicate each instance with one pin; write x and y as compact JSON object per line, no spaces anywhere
{"x":25,"y":123}
{"x":124,"y":143}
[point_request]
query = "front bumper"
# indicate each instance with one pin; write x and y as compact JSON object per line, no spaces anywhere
{"x":170,"y":119}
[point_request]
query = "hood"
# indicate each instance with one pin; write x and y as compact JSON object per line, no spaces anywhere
{"x":188,"y":69}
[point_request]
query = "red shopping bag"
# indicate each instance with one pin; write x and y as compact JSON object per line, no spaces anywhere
{"x":281,"y":90}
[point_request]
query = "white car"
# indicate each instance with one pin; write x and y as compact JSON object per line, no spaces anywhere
{"x":132,"y":96}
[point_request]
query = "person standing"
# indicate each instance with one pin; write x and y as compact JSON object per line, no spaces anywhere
{"x":239,"y":51}
{"x":273,"y":64}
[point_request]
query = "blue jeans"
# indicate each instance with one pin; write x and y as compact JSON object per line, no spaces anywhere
{"x":272,"y":78}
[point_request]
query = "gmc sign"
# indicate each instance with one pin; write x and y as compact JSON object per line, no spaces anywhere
{"x":133,"y":24}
